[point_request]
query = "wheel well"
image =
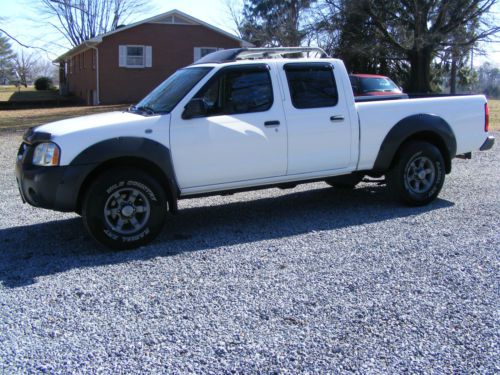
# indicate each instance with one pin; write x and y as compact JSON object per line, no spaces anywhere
{"x":429,"y":137}
{"x":142,"y":164}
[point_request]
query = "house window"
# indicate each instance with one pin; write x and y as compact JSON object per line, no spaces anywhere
{"x":200,"y":52}
{"x":135,"y":56}
{"x":132,"y":56}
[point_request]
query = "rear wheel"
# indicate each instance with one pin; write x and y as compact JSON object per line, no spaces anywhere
{"x":124,"y":209}
{"x":418,"y":174}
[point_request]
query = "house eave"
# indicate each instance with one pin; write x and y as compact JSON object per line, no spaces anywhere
{"x":78,"y":49}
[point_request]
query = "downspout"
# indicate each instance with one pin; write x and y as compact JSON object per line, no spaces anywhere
{"x":97,"y":71}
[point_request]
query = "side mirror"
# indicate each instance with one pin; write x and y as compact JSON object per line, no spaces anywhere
{"x":195,"y":108}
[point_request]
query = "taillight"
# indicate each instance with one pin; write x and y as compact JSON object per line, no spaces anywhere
{"x":486,"y":118}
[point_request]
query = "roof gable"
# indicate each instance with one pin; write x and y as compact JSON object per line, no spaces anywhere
{"x":173,"y":17}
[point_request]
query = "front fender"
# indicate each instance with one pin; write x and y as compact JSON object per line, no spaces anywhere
{"x":132,"y":147}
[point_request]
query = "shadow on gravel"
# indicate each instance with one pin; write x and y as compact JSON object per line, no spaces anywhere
{"x":38,"y":250}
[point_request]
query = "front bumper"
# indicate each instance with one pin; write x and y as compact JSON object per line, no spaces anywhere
{"x":488,"y":144}
{"x":55,"y":188}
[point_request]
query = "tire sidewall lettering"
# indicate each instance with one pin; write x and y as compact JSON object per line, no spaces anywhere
{"x":144,"y":188}
{"x":114,"y":187}
{"x":133,"y":183}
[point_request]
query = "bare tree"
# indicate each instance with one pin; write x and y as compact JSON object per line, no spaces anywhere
{"x":45,"y":68}
{"x":23,"y":65}
{"x":272,"y":22}
{"x":80,"y":20}
{"x":234,"y":11}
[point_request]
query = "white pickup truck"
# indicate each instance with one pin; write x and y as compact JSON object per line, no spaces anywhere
{"x":239,"y":120}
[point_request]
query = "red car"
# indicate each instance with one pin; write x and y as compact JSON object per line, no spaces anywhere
{"x":373,"y":85}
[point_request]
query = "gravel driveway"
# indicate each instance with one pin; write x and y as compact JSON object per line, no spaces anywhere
{"x":310,"y":280}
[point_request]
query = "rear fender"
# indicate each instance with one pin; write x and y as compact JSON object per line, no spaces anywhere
{"x":425,"y":127}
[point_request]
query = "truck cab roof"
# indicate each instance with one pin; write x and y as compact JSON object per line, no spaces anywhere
{"x":253,"y":54}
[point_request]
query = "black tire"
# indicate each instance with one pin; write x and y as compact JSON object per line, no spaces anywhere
{"x":345,"y":182}
{"x":124,"y":208}
{"x":417,"y":176}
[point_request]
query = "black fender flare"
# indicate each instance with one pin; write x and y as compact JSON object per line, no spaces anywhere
{"x":138,"y":148}
{"x":421,"y":126}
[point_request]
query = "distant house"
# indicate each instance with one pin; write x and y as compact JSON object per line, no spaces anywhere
{"x":123,"y":65}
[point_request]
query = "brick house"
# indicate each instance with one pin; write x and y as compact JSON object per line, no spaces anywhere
{"x":123,"y":65}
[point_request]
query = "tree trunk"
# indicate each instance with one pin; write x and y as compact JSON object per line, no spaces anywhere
{"x":420,"y":72}
{"x":453,"y":74}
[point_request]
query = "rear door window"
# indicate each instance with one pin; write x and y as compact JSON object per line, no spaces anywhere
{"x":311,"y":85}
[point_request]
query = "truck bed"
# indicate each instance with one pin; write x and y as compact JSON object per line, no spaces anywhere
{"x":465,"y":115}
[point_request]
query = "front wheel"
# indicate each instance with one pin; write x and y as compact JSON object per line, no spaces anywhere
{"x":124,"y":209}
{"x":418,"y":174}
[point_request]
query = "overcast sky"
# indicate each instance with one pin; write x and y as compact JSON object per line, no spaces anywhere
{"x":21,"y":19}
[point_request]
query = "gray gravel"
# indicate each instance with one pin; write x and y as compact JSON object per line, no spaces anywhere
{"x":309,"y":280}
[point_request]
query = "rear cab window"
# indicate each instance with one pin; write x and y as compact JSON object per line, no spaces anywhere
{"x":311,"y":85}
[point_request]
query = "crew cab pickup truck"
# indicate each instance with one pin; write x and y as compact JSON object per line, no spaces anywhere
{"x":238,"y":120}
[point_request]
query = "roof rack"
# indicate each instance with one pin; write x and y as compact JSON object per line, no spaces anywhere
{"x":234,"y":54}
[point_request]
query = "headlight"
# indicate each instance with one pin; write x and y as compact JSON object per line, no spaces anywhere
{"x":46,"y":154}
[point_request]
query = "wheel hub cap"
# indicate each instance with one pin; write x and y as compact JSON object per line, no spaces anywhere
{"x":128,"y":211}
{"x":420,"y":174}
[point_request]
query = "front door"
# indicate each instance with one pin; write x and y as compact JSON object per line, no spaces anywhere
{"x":240,"y":135}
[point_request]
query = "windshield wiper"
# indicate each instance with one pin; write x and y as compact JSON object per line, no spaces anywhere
{"x":146,"y":109}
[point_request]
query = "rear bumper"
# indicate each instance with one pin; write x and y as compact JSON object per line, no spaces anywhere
{"x":488,"y":144}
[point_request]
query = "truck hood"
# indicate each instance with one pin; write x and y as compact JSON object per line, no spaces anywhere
{"x":77,"y":134}
{"x":84,"y":123}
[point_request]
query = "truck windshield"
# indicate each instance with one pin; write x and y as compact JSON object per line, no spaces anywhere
{"x":168,"y":94}
{"x":380,"y":84}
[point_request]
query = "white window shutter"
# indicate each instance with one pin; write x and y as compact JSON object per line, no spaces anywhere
{"x":197,"y":53}
{"x":149,"y":56}
{"x":122,"y":56}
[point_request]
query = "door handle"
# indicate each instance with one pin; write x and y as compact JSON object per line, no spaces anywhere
{"x":272,"y":124}
{"x":337,"y":118}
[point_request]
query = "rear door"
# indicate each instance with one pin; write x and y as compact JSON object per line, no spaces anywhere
{"x":241,"y":137}
{"x":319,"y":131}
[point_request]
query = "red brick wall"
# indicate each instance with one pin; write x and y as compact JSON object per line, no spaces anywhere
{"x":172,"y":48}
{"x":81,"y":76}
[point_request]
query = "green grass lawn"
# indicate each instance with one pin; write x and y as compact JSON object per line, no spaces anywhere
{"x":24,"y":94}
{"x":494,"y":106}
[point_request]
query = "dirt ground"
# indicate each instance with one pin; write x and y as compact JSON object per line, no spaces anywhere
{"x":23,"y":118}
